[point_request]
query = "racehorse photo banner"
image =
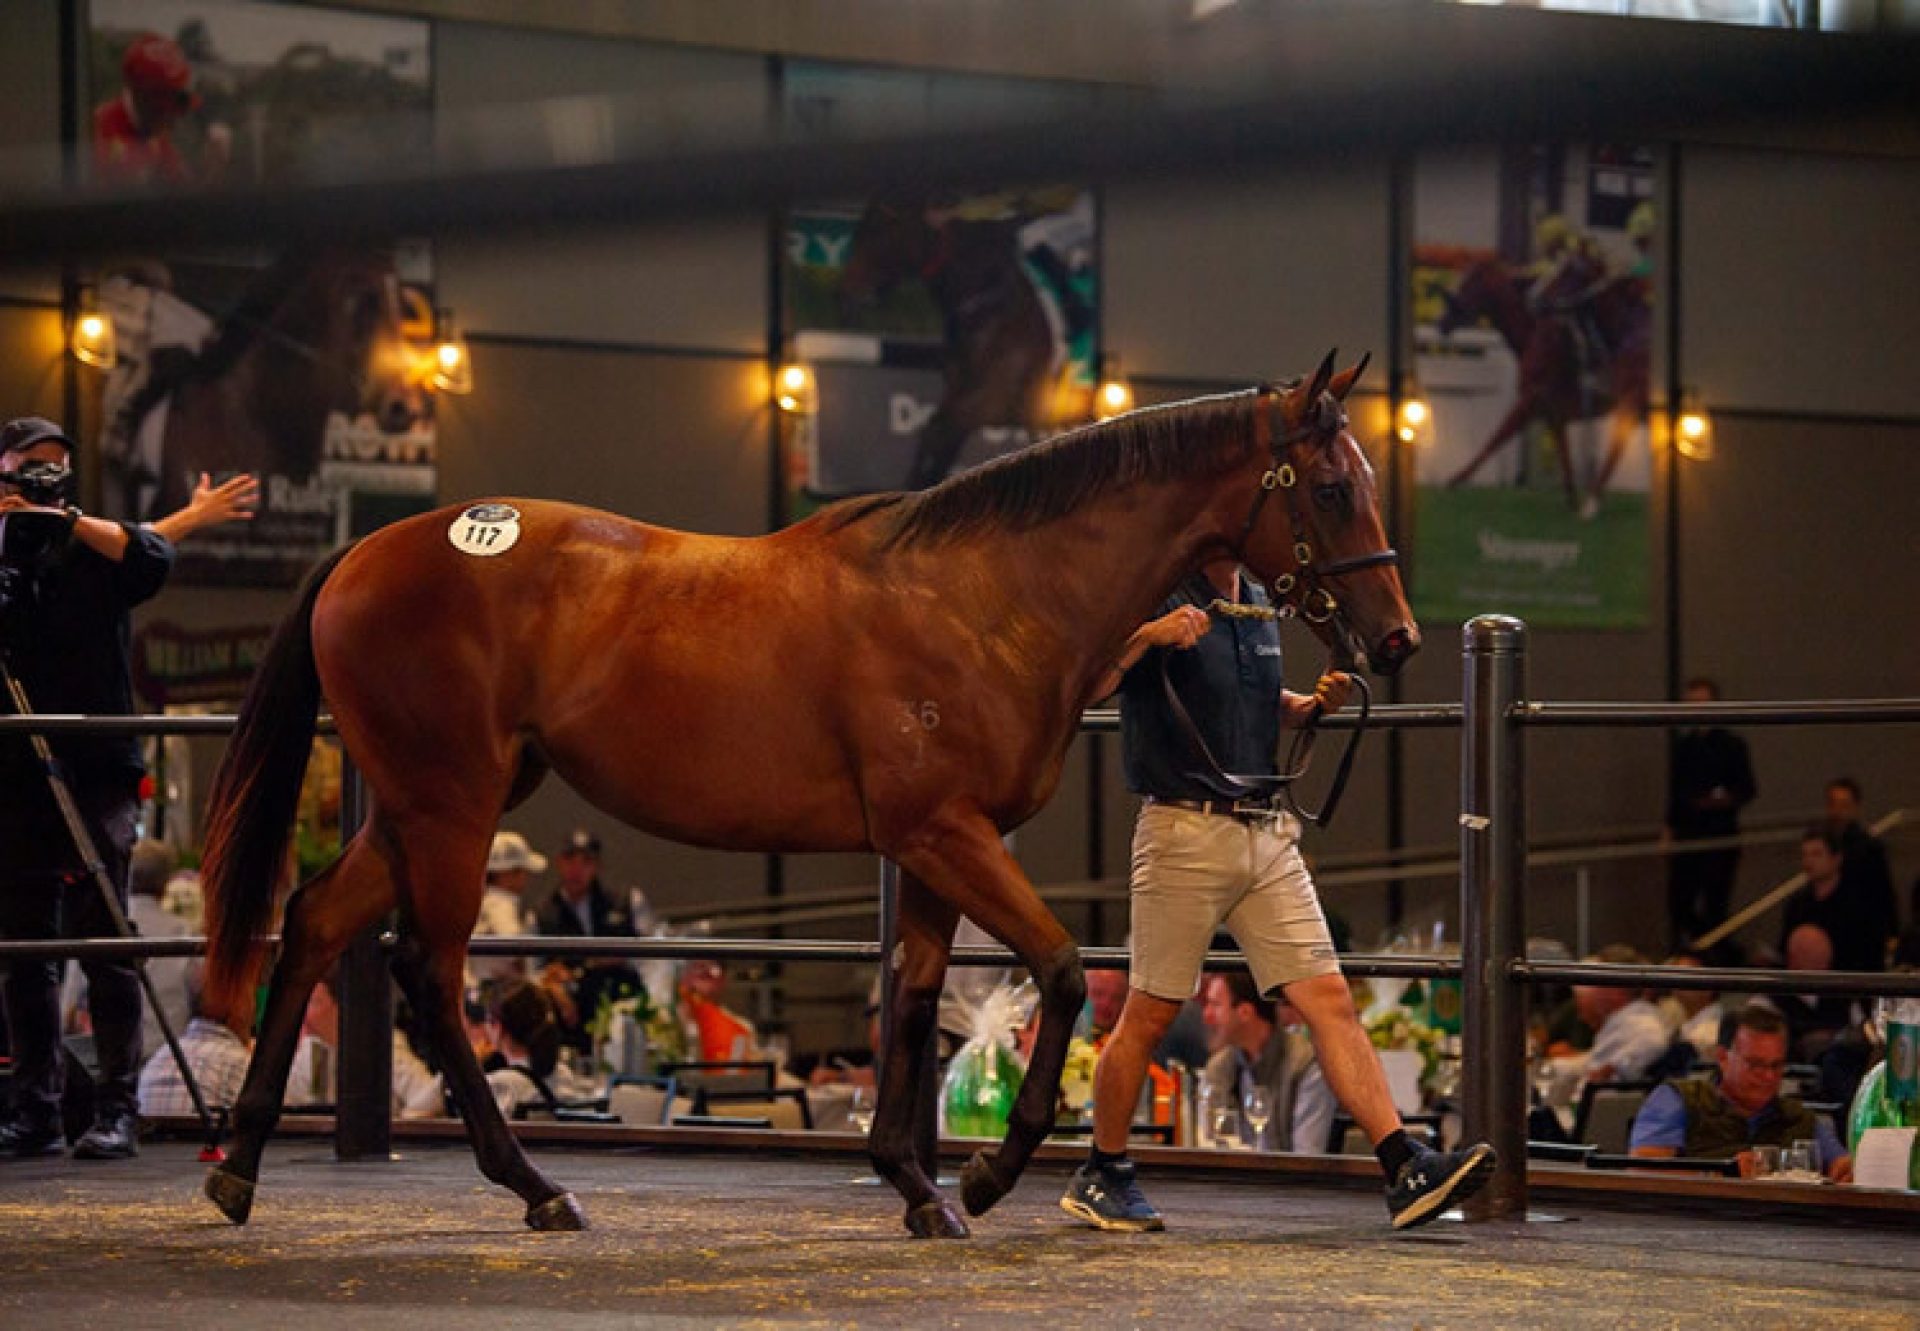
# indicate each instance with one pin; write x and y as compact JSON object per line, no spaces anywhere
{"x":941,"y":331}
{"x":306,"y":368}
{"x":1534,"y":288}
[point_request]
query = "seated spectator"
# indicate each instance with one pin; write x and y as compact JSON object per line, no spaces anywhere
{"x":525,"y":1031}
{"x":1694,"y":1014}
{"x":1859,"y":926}
{"x":311,"y":1080}
{"x":1630,"y":1032}
{"x":1258,"y":1042}
{"x":584,"y":907}
{"x":1560,"y":1031}
{"x":1814,"y":1021}
{"x":511,"y":864}
{"x":721,"y":1034}
{"x":216,"y":1054}
{"x":1723,"y":1116}
{"x":314,"y":1077}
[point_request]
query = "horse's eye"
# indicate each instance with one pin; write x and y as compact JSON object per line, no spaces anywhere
{"x":1329,"y":497}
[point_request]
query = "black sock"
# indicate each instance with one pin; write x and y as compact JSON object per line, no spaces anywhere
{"x":1099,"y":1159}
{"x":1394,"y":1150}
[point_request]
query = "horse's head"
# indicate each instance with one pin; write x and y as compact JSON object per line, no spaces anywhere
{"x":375,"y":315}
{"x":1322,"y":547}
{"x":355,"y":324}
{"x":894,"y":240}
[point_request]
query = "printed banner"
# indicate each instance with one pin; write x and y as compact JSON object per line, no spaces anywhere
{"x":308,"y":369}
{"x":1533,"y":307}
{"x":940,"y":334}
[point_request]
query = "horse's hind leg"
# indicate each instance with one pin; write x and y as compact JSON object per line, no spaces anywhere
{"x":898,"y":1143}
{"x":326,"y":913}
{"x":964,"y":861}
{"x":440,"y":887}
{"x":433,"y":977}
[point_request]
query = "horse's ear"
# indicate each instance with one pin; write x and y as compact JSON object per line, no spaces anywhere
{"x":1344,"y":381}
{"x":1318,"y":384}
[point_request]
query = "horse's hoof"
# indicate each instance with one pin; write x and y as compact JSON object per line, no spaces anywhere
{"x":231,"y":1193}
{"x":936,"y":1220}
{"x":980,"y":1187}
{"x":559,"y":1213}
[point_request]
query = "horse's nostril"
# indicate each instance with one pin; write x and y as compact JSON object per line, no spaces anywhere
{"x":1397,"y":646}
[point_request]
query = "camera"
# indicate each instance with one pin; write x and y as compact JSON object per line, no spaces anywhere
{"x":47,"y":484}
{"x":29,"y":539}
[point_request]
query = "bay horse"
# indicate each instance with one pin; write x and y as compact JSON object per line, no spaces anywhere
{"x":317,"y":332}
{"x":1001,"y":350}
{"x":1566,"y":373}
{"x":897,"y":673}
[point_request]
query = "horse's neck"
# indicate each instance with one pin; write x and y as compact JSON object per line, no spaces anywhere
{"x":1507,"y":303}
{"x":1089,"y":579}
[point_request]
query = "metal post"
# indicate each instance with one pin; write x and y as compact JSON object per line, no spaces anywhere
{"x":889,"y":944}
{"x":363,"y":1086}
{"x":1493,"y":862}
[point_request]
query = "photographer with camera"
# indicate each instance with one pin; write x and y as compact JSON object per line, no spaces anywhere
{"x":67,"y":583}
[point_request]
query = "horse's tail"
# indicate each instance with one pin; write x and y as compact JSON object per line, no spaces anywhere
{"x":251,"y":808}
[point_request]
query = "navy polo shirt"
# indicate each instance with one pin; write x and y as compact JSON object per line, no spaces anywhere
{"x":1229,"y":682}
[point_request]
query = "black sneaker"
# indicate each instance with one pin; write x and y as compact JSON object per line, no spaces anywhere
{"x":23,"y":1138}
{"x":1107,"y":1197}
{"x":1434,"y":1180}
{"x":110,"y":1138}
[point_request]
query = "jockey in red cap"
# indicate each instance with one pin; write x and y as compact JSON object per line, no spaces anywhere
{"x":132,"y":134}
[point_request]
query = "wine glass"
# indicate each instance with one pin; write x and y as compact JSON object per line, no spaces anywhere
{"x":1259,"y":1110}
{"x":860,"y":1109}
{"x":1226,"y":1128}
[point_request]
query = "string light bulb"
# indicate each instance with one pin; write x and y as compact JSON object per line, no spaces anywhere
{"x":794,"y":389}
{"x":452,"y":361}
{"x":1693,"y":428}
{"x":1415,"y":421}
{"x":1114,"y":397}
{"x":92,"y":340}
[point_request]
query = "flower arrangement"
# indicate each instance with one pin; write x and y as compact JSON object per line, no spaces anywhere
{"x":1394,"y":1028}
{"x":632,"y":1017}
{"x":1076,"y":1082}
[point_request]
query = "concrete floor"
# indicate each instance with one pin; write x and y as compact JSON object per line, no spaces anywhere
{"x":699,"y":1240}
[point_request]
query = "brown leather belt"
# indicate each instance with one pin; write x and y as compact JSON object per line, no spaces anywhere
{"x":1247,"y":811}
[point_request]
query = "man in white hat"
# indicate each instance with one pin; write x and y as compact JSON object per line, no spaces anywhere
{"x":510,"y":863}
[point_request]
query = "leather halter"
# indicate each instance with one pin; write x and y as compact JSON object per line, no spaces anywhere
{"x":1294,"y":592}
{"x":1307,"y":581}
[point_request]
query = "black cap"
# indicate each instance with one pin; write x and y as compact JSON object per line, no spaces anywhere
{"x":580,"y":840}
{"x":26,"y":431}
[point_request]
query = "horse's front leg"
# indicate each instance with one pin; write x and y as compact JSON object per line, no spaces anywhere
{"x":961,"y":857}
{"x":901,"y":1154}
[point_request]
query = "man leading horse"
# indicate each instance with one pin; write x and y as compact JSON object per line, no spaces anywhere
{"x":1194,"y":685}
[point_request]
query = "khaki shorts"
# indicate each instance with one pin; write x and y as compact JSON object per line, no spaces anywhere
{"x":1193,"y":872}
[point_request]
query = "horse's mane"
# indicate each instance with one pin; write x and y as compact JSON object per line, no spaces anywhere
{"x":237,"y":331}
{"x":1050,"y":479}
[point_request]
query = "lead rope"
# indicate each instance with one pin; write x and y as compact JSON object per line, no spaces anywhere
{"x":1299,"y":750}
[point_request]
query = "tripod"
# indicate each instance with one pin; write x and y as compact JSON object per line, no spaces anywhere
{"x":97,"y":870}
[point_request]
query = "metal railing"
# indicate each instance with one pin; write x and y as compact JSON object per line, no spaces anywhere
{"x":1493,"y":838}
{"x":1492,"y":865}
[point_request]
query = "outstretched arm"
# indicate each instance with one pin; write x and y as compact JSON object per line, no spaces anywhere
{"x":230,"y":501}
